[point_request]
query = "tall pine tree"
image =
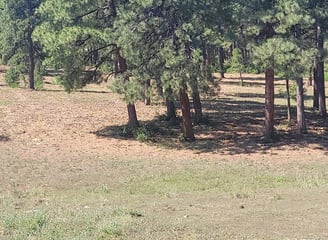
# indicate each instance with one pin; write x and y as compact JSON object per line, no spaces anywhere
{"x":18,"y":49}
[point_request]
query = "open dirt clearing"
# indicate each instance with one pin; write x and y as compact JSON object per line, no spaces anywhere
{"x":60,"y":180}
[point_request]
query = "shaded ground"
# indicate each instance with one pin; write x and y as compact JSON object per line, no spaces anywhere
{"x":58,"y":151}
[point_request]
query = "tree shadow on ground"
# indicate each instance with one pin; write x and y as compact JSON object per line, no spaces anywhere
{"x":230,"y":127}
{"x":249,"y":81}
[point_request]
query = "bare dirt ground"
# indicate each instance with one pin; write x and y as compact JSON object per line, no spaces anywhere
{"x":51,"y":140}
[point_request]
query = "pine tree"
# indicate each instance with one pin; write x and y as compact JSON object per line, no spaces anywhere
{"x":282,"y":38}
{"x":79,"y":35}
{"x":237,"y":64}
{"x":18,"y":49}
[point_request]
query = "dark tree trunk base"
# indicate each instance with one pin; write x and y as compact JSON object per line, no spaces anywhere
{"x":133,"y":120}
{"x":170,"y":111}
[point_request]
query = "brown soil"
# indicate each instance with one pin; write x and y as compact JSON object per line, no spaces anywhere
{"x":64,"y":129}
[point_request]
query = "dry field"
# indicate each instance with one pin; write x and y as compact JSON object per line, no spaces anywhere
{"x":66,"y":174}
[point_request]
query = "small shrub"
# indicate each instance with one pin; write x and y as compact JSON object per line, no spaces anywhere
{"x":38,"y":76}
{"x":142,"y":134}
{"x":13,"y":77}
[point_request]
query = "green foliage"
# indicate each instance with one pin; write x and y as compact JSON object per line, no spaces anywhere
{"x":142,"y":134}
{"x":326,"y":72}
{"x":38,"y":75}
{"x":237,"y":61}
{"x":18,"y":22}
{"x":132,"y":90}
{"x":12,"y":77}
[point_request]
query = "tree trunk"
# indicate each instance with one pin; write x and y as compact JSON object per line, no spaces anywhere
{"x":31,"y":60}
{"x":301,"y":125}
{"x":319,"y":99}
{"x":197,"y":107}
{"x":170,"y":106}
{"x":310,"y":81}
{"x":132,"y":114}
{"x":320,"y":72}
{"x":133,"y":120}
{"x":159,"y":87}
{"x":315,"y":88}
{"x":196,"y":101}
{"x":170,"y":110}
{"x":321,"y":89}
{"x":241,"y":79}
{"x":146,"y":92}
{"x":206,"y":62}
{"x":188,"y":132}
{"x":269,"y":104}
{"x":289,"y":110}
{"x":221,"y":61}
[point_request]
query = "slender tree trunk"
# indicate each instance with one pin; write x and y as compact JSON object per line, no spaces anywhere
{"x":310,"y":81}
{"x":221,"y":61}
{"x":31,"y":60}
{"x":116,"y":68}
{"x":197,"y":107}
{"x":159,"y":87}
{"x":146,"y":91}
{"x":188,"y":132}
{"x":132,"y":114}
{"x":269,"y":104}
{"x":289,"y":110}
{"x":170,"y":107}
{"x":241,"y":79}
{"x":301,"y":124}
{"x":321,"y":90}
{"x":206,"y":61}
{"x":315,"y":87}
{"x":196,"y":101}
{"x":320,"y":72}
{"x":319,"y":101}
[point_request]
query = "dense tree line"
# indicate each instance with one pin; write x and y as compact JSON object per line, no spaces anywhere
{"x":176,"y":45}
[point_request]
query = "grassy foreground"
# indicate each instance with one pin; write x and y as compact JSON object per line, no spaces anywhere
{"x":219,"y":201}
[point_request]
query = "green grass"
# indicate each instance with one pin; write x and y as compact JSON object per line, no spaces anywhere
{"x":115,"y":212}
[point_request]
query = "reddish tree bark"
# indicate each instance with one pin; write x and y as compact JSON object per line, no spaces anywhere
{"x":269,"y":104}
{"x":188,"y":132}
{"x":132,"y":114}
{"x":133,"y":119}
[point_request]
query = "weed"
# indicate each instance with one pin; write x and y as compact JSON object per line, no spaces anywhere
{"x":142,"y":134}
{"x":110,"y":232}
{"x":24,"y":225}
